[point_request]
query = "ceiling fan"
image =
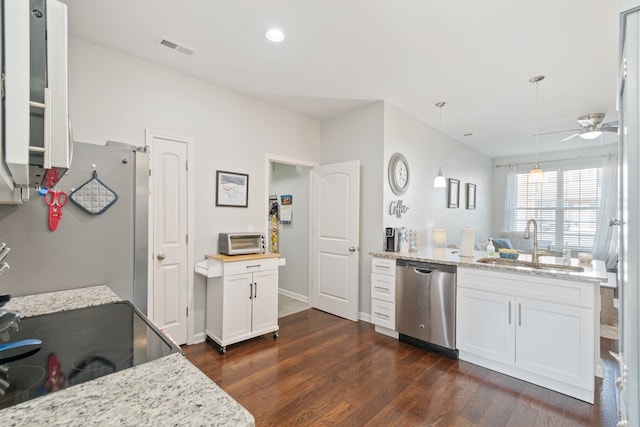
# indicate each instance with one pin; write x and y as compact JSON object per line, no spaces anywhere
{"x":591,"y":127}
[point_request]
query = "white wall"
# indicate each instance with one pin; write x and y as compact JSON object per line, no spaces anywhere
{"x":525,"y":163}
{"x":358,"y":135}
{"x":116,"y":97}
{"x":427,"y":205}
{"x":293,"y":239}
{"x":372,"y":134}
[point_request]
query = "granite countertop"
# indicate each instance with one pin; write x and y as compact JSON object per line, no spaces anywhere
{"x":594,"y":272}
{"x":166,"y":391}
{"x":51,"y":302}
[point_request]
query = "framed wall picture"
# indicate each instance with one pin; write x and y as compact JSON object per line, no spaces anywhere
{"x":453,"y":195}
{"x":471,"y":196}
{"x":232,"y":189}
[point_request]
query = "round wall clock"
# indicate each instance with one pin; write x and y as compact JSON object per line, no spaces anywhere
{"x":398,"y":174}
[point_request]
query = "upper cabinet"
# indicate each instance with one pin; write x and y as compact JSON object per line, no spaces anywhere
{"x":36,"y":142}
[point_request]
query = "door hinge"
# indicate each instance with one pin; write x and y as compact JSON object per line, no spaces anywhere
{"x":186,"y":239}
{"x":187,"y":311}
{"x":186,"y":165}
{"x":149,"y":172}
{"x":2,"y":83}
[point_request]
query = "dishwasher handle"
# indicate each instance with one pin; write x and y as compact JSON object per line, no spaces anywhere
{"x":422,"y":271}
{"x":428,"y":266}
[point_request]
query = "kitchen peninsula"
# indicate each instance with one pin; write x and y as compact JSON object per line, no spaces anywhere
{"x":166,"y":391}
{"x":539,"y":324}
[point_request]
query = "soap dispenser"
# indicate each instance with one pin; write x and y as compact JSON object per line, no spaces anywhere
{"x":491,"y":250}
{"x":566,"y":254}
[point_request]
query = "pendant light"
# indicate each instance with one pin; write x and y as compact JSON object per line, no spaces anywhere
{"x":440,"y":182}
{"x":536,"y":174}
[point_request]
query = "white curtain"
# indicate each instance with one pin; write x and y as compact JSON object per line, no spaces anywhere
{"x":605,"y":245}
{"x":510,"y":197}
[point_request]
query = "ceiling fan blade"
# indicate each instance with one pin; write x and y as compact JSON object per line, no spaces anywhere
{"x":609,"y":128}
{"x":569,"y":137}
{"x":559,"y":131}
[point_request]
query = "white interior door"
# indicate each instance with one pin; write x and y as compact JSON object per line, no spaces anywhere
{"x":170,"y":280}
{"x":336,"y":259}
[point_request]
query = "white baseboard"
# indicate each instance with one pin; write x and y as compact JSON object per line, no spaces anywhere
{"x":296,"y":296}
{"x":199,"y":337}
{"x":365,"y":316}
{"x":388,"y":332}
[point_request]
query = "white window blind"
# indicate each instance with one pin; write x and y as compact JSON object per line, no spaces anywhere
{"x":565,"y":205}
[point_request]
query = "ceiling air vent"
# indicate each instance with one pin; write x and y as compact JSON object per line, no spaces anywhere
{"x":172,"y":44}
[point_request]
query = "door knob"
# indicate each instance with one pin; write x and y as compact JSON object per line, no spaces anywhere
{"x":353,"y":249}
{"x":161,"y":256}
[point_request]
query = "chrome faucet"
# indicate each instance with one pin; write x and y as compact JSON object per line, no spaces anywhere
{"x":534,"y":254}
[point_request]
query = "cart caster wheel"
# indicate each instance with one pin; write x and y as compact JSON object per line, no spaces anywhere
{"x":222,"y":350}
{"x":275,"y":335}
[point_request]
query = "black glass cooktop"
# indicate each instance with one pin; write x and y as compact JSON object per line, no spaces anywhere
{"x":77,"y":346}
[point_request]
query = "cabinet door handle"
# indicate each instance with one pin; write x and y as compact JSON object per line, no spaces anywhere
{"x":254,"y":266}
{"x":519,"y":314}
{"x":381,"y":315}
{"x":255,"y":290}
{"x":250,"y":290}
{"x":509,"y":312}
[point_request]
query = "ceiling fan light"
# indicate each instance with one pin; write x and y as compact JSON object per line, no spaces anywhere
{"x":439,"y":182}
{"x":536,"y":174}
{"x":591,"y":135}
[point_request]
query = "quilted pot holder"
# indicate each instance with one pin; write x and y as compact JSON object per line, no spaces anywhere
{"x":94,"y":197}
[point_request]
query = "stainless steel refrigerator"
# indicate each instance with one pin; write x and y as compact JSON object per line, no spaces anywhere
{"x":85,"y":250}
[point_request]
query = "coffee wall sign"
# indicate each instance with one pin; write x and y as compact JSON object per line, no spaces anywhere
{"x":397,"y":208}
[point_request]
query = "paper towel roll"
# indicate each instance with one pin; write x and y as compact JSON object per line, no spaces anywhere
{"x":466,"y":241}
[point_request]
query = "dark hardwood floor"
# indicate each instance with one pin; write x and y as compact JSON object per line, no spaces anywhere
{"x":324,"y":370}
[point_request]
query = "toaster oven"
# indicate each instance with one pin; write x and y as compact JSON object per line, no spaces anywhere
{"x":241,"y":243}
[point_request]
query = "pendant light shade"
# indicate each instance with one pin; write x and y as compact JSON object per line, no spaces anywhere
{"x":536,"y":174}
{"x":439,"y":181}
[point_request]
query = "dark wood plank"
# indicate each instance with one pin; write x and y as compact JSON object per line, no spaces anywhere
{"x":324,"y":370}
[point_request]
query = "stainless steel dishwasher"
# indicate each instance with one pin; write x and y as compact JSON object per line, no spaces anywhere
{"x":426,"y":305}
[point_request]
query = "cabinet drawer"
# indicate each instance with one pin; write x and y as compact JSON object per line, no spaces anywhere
{"x":383,"y":287}
{"x":383,"y":313}
{"x":383,"y":266}
{"x":239,"y":267}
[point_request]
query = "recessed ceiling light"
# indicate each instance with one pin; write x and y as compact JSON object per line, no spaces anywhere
{"x":275,"y":35}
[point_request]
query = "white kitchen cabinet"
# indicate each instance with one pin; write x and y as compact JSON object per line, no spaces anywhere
{"x":555,"y":341}
{"x":383,"y":295}
{"x":485,"y":325}
{"x":537,"y":329}
{"x":242,"y":299}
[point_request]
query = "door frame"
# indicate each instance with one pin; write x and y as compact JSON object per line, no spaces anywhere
{"x":269,"y":159}
{"x":149,"y":136}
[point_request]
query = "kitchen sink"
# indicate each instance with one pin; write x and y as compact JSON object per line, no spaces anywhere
{"x":524,"y":263}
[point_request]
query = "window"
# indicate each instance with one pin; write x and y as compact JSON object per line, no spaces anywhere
{"x":565,"y":205}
